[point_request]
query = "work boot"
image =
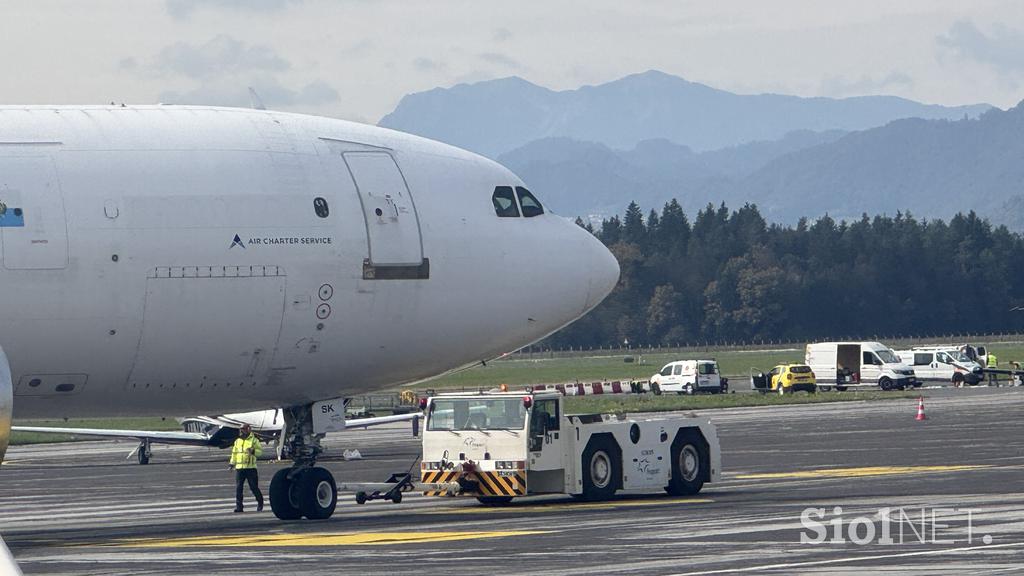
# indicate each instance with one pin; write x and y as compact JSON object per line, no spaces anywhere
{"x":237,"y":510}
{"x":259,"y":507}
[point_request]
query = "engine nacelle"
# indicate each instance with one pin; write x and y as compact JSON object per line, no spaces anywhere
{"x":6,"y":403}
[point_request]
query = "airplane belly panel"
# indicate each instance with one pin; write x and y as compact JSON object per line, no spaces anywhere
{"x":211,"y":328}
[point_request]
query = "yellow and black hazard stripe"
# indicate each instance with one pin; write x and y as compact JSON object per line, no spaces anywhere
{"x":436,"y":476}
{"x":504,"y":483}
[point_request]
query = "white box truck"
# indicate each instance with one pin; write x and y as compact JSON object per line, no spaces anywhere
{"x":858,"y":364}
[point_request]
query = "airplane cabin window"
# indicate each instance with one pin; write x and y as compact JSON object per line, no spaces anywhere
{"x":505,"y":202}
{"x":531,"y":206}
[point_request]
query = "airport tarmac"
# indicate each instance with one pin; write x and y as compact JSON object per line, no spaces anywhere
{"x":84,"y":509}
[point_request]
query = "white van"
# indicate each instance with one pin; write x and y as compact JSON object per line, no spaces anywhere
{"x":946,"y":364}
{"x":689,"y":377}
{"x":858,"y":364}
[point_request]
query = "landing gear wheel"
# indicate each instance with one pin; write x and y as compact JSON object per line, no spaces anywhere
{"x":885,"y":384}
{"x":690,"y":464}
{"x":601,"y":470}
{"x":283,"y":496}
{"x":317,"y":492}
{"x":494,"y":500}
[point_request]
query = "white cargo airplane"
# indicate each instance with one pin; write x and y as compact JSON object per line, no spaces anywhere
{"x":163,"y":260}
{"x":213,"y":431}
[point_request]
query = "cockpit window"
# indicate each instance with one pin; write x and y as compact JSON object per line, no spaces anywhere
{"x":505,"y":202}
{"x":531,"y":206}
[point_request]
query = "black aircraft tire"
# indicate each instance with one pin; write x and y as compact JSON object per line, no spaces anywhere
{"x":317,"y":493}
{"x":282,"y":500}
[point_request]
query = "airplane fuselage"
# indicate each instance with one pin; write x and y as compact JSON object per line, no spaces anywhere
{"x":179,"y":260}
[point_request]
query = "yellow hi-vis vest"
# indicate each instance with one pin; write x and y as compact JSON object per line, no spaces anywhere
{"x":240,"y":456}
{"x":990,"y":362}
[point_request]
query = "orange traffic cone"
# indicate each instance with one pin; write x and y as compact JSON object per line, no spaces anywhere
{"x":920,"y":409}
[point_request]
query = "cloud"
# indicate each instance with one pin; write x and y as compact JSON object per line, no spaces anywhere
{"x":273,"y":93}
{"x":184,"y":8}
{"x":221,"y":55}
{"x":500,"y":60}
{"x":1003,"y":49}
{"x":427,"y":65}
{"x":501,"y":34}
{"x":865,"y":85}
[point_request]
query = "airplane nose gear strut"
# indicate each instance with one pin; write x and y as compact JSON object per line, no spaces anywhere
{"x":305,"y":489}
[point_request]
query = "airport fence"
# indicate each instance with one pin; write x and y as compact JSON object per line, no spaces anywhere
{"x":896,"y":341}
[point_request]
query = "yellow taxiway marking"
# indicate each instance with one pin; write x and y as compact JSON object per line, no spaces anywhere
{"x":559,"y":506}
{"x":857,"y":472}
{"x":316,"y":539}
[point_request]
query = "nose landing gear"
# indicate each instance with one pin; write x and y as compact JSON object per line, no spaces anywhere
{"x":305,"y":489}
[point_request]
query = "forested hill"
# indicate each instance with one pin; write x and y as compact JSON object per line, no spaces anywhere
{"x":728,"y":275}
{"x":931,"y":167}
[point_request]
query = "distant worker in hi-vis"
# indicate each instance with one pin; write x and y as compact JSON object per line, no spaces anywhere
{"x":993,"y":363}
{"x":244,"y":453}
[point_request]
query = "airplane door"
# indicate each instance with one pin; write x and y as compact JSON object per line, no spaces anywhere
{"x":33,"y":228}
{"x":392,"y":224}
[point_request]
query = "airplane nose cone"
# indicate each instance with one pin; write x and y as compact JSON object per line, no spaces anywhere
{"x":604,"y":272}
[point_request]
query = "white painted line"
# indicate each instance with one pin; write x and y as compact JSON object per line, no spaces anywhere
{"x":851,"y":559}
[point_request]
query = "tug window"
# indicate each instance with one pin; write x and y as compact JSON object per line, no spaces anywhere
{"x":505,"y":202}
{"x":531,"y":206}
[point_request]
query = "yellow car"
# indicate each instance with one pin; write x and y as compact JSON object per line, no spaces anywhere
{"x":788,"y":378}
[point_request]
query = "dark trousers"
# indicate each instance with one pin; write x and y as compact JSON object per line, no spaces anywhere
{"x":253,"y":477}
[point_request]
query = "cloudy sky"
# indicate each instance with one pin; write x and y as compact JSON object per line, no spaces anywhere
{"x":356,"y":58}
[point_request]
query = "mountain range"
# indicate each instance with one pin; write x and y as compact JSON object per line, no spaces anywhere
{"x":497,"y":116}
{"x":652,"y":137}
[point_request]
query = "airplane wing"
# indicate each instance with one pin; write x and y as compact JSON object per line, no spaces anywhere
{"x":378,"y":420}
{"x":170,"y":437}
{"x":224,"y":435}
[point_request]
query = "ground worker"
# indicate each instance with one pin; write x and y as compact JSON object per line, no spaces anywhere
{"x":244,"y":453}
{"x":991,"y":362}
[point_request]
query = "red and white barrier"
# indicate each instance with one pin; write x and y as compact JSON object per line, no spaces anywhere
{"x":598,"y":388}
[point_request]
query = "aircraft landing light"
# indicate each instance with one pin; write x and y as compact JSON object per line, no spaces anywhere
{"x":316,"y":539}
{"x":857,"y":472}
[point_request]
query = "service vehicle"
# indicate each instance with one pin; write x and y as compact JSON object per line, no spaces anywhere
{"x":785,"y":379}
{"x":945,"y":364}
{"x":689,"y":377}
{"x":497,"y":446}
{"x":858,"y":364}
